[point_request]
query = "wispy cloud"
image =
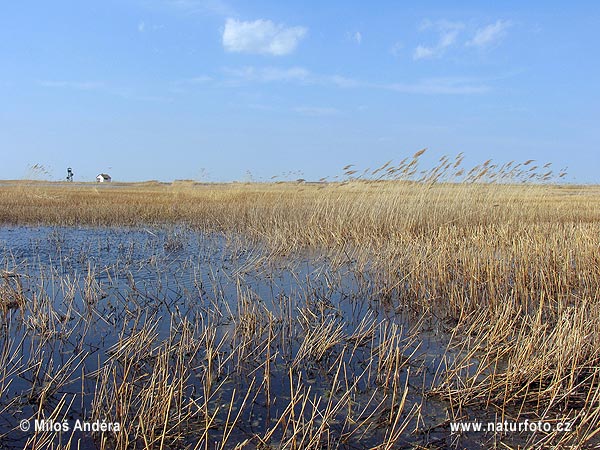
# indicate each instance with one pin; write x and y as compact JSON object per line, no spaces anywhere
{"x":355,"y":37}
{"x":442,"y":86}
{"x":489,"y":34}
{"x":318,"y":111}
{"x":397,"y":48}
{"x":422,"y":52}
{"x":78,"y":85}
{"x":143,"y":27}
{"x":200,"y":79}
{"x":291,"y":74}
{"x":269,"y":74}
{"x":261,"y":37}
{"x":300,"y":75}
{"x":447,"y":35}
{"x":340,"y":81}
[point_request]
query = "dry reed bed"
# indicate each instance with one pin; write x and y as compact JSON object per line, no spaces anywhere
{"x":513,"y":269}
{"x":198,"y":352}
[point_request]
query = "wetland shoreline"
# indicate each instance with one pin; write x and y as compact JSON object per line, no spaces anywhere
{"x":301,"y":316}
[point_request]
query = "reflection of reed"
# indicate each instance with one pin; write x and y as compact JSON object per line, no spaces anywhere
{"x":304,"y":322}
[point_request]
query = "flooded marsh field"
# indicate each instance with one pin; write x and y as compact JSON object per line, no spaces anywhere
{"x":359,"y":315}
{"x":188,"y":339}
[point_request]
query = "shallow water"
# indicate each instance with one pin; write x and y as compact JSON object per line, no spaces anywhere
{"x":90,"y":291}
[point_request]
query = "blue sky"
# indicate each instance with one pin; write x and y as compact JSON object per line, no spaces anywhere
{"x":223,"y":90}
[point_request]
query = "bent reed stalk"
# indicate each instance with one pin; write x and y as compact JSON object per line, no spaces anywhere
{"x":511,"y":269}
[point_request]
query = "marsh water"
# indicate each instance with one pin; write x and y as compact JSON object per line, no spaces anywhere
{"x":96,"y":305}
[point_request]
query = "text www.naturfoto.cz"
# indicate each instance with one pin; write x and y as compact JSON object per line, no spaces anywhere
{"x":512,"y":427}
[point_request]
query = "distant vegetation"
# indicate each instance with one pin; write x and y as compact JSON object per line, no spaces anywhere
{"x":512,"y":267}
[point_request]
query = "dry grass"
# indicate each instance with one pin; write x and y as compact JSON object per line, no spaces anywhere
{"x":512,"y":270}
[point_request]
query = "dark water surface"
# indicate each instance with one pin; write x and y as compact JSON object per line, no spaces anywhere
{"x":90,"y":291}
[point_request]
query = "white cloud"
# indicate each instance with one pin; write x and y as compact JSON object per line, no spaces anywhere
{"x":422,"y":52}
{"x":355,"y":37}
{"x":448,"y":34}
{"x":143,"y":27}
{"x":261,"y":37}
{"x":397,"y":48}
{"x":490,"y":34}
